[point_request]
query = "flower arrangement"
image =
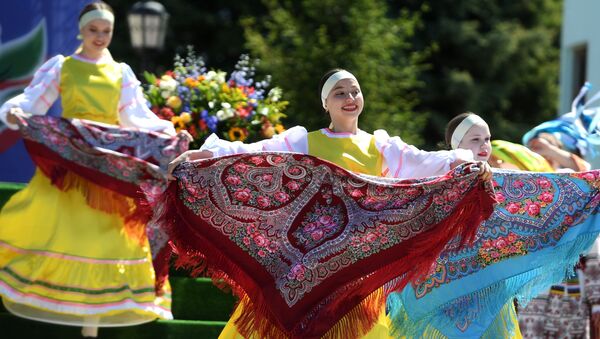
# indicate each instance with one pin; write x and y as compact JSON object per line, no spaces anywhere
{"x":203,"y":102}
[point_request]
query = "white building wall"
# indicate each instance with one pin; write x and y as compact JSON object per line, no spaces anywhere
{"x":581,"y":26}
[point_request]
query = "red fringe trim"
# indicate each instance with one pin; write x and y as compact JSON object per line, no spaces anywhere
{"x":352,"y":317}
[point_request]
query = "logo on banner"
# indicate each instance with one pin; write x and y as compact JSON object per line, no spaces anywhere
{"x":19,"y":59}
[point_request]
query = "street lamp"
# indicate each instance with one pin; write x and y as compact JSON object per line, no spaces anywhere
{"x":147,"y":26}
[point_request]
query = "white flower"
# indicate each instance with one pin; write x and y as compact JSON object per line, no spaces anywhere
{"x":225,"y":105}
{"x":221,"y":77}
{"x":165,"y":94}
{"x":210,"y":75}
{"x":224,"y":114}
{"x":167,"y":83}
{"x":264,"y":111}
{"x":275,"y":94}
{"x":211,"y":104}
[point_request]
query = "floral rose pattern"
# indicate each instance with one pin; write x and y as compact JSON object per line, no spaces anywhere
{"x":304,"y":220}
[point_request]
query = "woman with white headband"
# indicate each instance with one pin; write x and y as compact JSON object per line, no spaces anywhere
{"x":344,"y":144}
{"x":87,"y":271}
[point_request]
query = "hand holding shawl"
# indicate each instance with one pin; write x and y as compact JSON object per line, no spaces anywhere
{"x":307,"y":241}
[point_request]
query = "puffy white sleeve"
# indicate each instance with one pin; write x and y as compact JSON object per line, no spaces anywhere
{"x":292,"y":140}
{"x":41,"y":93}
{"x":133,"y":108}
{"x":406,"y":161}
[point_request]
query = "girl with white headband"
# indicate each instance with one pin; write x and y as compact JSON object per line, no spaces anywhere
{"x":86,"y":270}
{"x":469,"y":131}
{"x":344,"y":144}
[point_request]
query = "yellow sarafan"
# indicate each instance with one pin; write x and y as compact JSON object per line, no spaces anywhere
{"x":91,"y":91}
{"x":354,"y":152}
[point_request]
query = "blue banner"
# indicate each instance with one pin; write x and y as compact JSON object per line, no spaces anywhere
{"x":31,"y":32}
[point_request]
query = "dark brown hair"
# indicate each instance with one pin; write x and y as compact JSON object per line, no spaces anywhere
{"x":451,"y":126}
{"x":95,"y":5}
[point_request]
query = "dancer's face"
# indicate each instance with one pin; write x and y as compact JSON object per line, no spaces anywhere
{"x":477,"y":139}
{"x":345,"y":100}
{"x":97,"y":35}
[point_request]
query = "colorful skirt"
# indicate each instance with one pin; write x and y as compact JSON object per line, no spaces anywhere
{"x":64,"y":262}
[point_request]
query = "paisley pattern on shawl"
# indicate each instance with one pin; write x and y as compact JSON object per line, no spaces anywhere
{"x":306,"y":240}
{"x":101,"y":159}
{"x":540,"y":226}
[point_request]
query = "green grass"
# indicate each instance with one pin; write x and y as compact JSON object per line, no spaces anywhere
{"x":7,"y":189}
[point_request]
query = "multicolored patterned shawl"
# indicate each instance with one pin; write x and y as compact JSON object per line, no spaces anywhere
{"x":541,"y":225}
{"x":109,"y":164}
{"x":307,"y":241}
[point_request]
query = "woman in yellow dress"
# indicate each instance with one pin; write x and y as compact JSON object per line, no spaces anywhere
{"x":61,"y":260}
{"x":344,"y":144}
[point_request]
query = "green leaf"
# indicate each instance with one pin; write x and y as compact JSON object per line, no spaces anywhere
{"x":19,"y":58}
{"x":150,"y":78}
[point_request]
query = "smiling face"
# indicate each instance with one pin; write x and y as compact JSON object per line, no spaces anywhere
{"x":477,"y":139}
{"x":96,"y":35}
{"x":345,"y":100}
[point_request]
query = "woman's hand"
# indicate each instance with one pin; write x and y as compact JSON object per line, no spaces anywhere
{"x":485,"y":171}
{"x":10,"y":116}
{"x":186,"y":135}
{"x":187,"y":156}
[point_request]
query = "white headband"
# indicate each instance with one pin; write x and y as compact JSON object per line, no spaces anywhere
{"x":463,"y":128}
{"x":331,"y":81}
{"x":96,"y":14}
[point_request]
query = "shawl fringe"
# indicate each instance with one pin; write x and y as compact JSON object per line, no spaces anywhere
{"x":524,"y":287}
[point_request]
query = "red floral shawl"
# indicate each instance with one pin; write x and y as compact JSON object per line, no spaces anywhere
{"x":305,"y":242}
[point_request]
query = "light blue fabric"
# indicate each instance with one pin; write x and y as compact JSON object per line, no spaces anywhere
{"x":541,"y":240}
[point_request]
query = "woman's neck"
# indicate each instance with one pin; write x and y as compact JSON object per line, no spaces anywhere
{"x":93,"y":56}
{"x":350,"y":126}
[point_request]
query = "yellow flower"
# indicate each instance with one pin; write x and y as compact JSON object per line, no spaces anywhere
{"x":186,"y":117}
{"x":238,"y":134}
{"x":279,"y":128}
{"x":176,"y":119}
{"x":190,"y":82}
{"x":174,"y":102}
{"x":225,"y":88}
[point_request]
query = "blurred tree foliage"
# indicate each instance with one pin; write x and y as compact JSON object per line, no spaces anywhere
{"x":497,"y":58}
{"x":414,"y":59}
{"x":298,"y":41}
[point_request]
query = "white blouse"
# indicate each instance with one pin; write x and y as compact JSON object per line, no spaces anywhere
{"x":44,"y":89}
{"x":400,"y":160}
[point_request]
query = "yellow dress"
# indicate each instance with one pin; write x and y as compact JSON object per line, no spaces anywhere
{"x":62,"y":261}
